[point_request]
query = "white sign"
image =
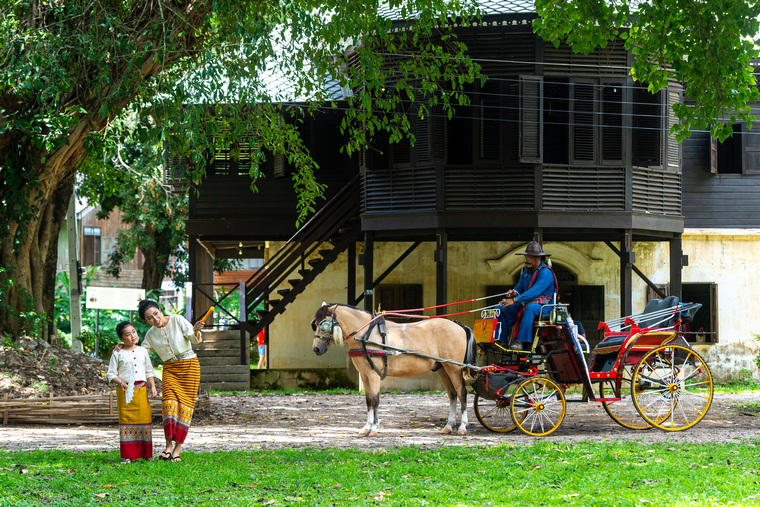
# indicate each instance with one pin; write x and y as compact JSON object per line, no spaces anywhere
{"x":106,"y":298}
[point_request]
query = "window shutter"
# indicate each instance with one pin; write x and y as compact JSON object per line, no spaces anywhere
{"x":438,"y":119}
{"x":422,"y":139}
{"x":279,"y":165}
{"x":751,"y":151}
{"x":531,"y":127}
{"x":673,"y":146}
{"x":713,"y":155}
{"x":583,"y":122}
{"x":647,"y":128}
{"x":612,"y":123}
{"x":489,"y":124}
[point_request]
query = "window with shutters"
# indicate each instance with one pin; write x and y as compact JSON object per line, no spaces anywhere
{"x":647,"y":128}
{"x":729,"y":153}
{"x":583,"y":125}
{"x":489,"y":122}
{"x":556,"y":120}
{"x":672,"y":146}
{"x":459,"y":134}
{"x":399,"y":297}
{"x":531,"y":134}
{"x":612,"y":123}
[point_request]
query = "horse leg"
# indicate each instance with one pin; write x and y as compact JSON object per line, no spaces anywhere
{"x":446,"y":381}
{"x":460,"y":390}
{"x":372,"y":393}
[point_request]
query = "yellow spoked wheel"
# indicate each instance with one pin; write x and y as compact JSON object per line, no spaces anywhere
{"x":624,"y":411}
{"x":674,"y":387}
{"x":494,"y":415}
{"x":538,"y":406}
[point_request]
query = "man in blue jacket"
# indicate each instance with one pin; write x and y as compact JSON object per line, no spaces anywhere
{"x":536,"y":287}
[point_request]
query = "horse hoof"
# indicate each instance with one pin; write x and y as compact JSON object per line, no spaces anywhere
{"x":363,"y":432}
{"x":461,"y":432}
{"x":372,"y":434}
{"x":446,"y":430}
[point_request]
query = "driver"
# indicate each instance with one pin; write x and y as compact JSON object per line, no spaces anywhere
{"x":536,"y":287}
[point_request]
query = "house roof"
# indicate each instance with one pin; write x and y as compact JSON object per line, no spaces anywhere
{"x":488,"y":7}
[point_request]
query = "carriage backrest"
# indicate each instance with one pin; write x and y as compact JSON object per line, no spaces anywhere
{"x":566,"y":359}
{"x":656,"y":305}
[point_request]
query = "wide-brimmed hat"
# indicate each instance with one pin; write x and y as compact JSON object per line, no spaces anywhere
{"x":534,"y":249}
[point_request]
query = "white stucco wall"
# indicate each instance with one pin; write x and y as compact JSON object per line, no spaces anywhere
{"x":724,"y":257}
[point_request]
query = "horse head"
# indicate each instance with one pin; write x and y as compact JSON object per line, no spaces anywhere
{"x":326,"y":329}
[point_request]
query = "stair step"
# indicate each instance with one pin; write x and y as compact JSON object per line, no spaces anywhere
{"x":294,"y":281}
{"x":314,"y":262}
{"x":231,"y":353}
{"x":224,"y":361}
{"x":323,"y":253}
{"x":226,"y":386}
{"x":273,"y":302}
{"x":283,"y":292}
{"x":223,"y":377}
{"x":229,"y":369}
{"x":218,"y":345}
{"x":304,"y":272}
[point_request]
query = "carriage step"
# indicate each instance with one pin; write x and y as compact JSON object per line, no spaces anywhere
{"x":294,"y":282}
{"x":324,"y":253}
{"x":304,"y":272}
{"x":283,"y":292}
{"x":314,"y":262}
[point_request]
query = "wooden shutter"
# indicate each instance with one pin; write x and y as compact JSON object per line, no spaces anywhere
{"x":647,"y":128}
{"x":402,"y":150}
{"x":612,"y":123}
{"x":422,"y":140}
{"x":279,"y":165}
{"x":582,"y":122}
{"x":751,"y":142}
{"x":489,"y":122}
{"x":531,"y":112}
{"x":713,"y":155}
{"x":672,"y":159}
{"x":438,"y":121}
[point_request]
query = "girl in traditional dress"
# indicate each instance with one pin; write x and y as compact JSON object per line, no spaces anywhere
{"x":172,"y":337}
{"x":130,"y":368}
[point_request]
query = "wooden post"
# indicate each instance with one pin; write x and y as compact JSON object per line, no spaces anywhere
{"x":627,"y":258}
{"x":369,"y":246}
{"x":5,"y":412}
{"x":441,"y":271}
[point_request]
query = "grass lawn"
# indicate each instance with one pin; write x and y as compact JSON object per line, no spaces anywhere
{"x":545,"y":473}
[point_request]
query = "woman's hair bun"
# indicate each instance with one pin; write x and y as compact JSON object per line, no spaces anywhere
{"x":144,"y":306}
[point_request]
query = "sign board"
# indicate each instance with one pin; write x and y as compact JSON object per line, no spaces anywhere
{"x":106,"y":298}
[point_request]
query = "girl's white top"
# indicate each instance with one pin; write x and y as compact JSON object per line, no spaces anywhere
{"x":173,"y":341}
{"x":135,"y":362}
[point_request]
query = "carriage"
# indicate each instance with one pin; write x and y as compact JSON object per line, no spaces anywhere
{"x":643,"y":372}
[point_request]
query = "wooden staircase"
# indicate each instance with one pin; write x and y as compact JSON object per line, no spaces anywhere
{"x":327,"y":234}
{"x":219,"y":356}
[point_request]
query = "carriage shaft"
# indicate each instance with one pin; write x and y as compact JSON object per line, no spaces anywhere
{"x":420,"y":354}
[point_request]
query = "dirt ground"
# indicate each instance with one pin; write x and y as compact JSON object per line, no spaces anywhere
{"x":334,"y":420}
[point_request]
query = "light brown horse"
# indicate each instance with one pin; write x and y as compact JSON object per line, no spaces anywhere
{"x":441,"y":338}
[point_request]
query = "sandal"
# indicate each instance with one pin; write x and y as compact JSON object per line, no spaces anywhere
{"x":165,"y":456}
{"x":126,"y":461}
{"x":176,"y":459}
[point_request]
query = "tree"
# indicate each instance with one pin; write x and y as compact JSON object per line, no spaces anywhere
{"x":130,"y":178}
{"x":706,"y":44}
{"x":69,"y":69}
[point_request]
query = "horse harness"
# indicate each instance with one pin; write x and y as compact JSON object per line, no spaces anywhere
{"x":378,"y":322}
{"x":326,"y":326}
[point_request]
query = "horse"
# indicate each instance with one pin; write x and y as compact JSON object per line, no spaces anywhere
{"x":437,"y":337}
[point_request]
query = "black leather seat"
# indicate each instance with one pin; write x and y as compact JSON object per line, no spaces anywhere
{"x":656,"y":305}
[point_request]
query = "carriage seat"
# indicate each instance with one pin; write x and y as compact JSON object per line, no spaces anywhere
{"x":656,"y":305}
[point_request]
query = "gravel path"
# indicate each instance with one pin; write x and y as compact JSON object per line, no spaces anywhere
{"x":333,"y":420}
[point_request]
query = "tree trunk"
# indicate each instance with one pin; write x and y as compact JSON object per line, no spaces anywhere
{"x":33,"y":269}
{"x":153,"y":274}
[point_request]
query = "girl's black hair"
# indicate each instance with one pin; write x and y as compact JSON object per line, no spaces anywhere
{"x":122,"y":326}
{"x":145,"y":305}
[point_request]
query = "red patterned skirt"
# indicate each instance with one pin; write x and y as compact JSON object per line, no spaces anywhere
{"x":180,"y":382}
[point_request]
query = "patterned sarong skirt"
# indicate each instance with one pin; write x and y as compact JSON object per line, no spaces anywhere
{"x":179,"y":389}
{"x":135,"y":436}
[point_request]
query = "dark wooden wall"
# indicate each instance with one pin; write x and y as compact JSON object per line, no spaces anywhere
{"x":716,"y":200}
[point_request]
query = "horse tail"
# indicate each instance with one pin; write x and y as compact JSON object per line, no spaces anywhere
{"x":470,"y":354}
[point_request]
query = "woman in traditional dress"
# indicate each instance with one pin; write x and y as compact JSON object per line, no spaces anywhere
{"x":130,"y":368}
{"x":172,"y":337}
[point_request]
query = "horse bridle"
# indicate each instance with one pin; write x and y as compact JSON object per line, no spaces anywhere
{"x":326,"y":326}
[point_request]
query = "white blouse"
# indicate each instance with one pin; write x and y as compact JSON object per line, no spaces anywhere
{"x":135,"y":361}
{"x":173,"y":341}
